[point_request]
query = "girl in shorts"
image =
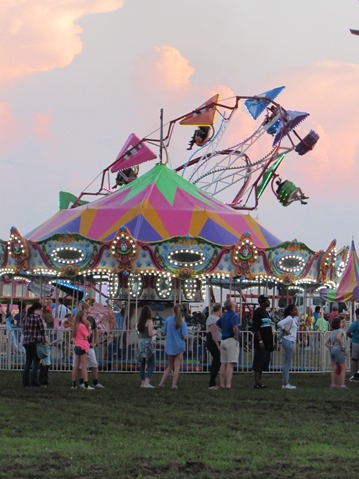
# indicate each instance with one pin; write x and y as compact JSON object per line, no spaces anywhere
{"x":176,"y":332}
{"x":336,"y":343}
{"x":80,"y":335}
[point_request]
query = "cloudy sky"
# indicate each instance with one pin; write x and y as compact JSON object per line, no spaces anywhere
{"x":78,"y":76}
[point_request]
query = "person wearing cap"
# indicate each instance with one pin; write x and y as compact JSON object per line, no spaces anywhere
{"x":263,"y":340}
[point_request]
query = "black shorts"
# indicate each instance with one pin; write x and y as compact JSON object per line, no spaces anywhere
{"x":261,"y":360}
{"x":79,"y":351}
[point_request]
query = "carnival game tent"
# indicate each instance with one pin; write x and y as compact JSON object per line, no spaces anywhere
{"x":348,"y":289}
{"x":157,"y":206}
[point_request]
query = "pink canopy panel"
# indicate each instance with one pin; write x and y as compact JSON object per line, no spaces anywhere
{"x":158,"y":205}
{"x":348,"y":288}
{"x":133,"y":153}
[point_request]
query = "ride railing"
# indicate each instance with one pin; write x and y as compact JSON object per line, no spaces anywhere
{"x":116,"y":352}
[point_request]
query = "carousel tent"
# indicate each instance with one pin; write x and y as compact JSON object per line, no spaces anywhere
{"x":348,"y":289}
{"x":158,"y":205}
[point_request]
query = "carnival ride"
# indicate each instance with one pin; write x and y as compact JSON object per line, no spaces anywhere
{"x":215,"y":167}
{"x":164,"y":235}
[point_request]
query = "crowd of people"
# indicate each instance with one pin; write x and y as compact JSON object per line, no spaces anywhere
{"x":223,"y":338}
{"x":222,"y":342}
{"x":37,"y":344}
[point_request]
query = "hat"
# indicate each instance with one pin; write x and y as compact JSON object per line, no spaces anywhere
{"x":262,"y":298}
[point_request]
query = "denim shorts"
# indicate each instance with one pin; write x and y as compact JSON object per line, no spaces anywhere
{"x":337,"y":356}
{"x":79,"y":351}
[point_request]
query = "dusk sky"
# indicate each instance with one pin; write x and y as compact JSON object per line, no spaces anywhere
{"x":78,"y":76}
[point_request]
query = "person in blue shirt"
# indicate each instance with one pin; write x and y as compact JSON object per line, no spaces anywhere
{"x":228,"y":324}
{"x":353,"y":334}
{"x":176,"y":332}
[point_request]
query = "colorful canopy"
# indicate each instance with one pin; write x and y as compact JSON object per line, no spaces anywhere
{"x":204,"y":115}
{"x":66,"y":200}
{"x":348,"y":289}
{"x":156,"y":206}
{"x":134,"y":152}
{"x":287,"y":124}
{"x":257,"y":105}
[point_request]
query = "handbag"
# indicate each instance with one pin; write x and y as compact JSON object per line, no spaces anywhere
{"x":42,"y":350}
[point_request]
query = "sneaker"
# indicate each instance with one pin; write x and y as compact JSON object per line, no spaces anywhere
{"x":89,"y":388}
{"x":73,"y":387}
{"x":289,"y":386}
{"x":148,"y":386}
{"x":82,"y":386}
{"x":213,"y":387}
{"x":99,"y":386}
{"x":259,"y":386}
{"x":352,"y":378}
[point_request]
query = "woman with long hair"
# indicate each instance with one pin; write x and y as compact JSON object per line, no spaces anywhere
{"x":145,"y":347}
{"x":80,"y":334}
{"x":289,"y":327}
{"x":34,"y":332}
{"x":176,"y":332}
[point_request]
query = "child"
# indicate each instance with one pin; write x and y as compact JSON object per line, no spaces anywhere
{"x":336,"y":343}
{"x":145,"y":347}
{"x":81,"y":346}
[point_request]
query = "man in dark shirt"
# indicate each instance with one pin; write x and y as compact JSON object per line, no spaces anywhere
{"x":263,"y":340}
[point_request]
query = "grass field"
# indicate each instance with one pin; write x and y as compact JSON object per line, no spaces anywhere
{"x":127,"y":432}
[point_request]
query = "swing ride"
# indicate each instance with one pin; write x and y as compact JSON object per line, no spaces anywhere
{"x":215,"y":167}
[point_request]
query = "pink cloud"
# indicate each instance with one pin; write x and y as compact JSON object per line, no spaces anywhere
{"x":40,"y":35}
{"x":329,"y":91}
{"x":41,"y":124}
{"x":166,"y":68}
{"x":10,"y":128}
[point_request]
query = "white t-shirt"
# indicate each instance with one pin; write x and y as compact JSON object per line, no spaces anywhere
{"x":60,"y":311}
{"x":291,"y":324}
{"x":212,"y":319}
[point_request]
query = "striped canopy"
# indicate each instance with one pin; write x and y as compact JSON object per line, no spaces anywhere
{"x":156,"y":206}
{"x":348,"y":289}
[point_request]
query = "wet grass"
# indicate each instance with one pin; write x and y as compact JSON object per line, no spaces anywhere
{"x":128,"y":432}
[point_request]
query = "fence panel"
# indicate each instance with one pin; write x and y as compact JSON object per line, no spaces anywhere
{"x":116,"y":352}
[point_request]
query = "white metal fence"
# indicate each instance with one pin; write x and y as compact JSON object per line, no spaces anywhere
{"x":116,"y":352}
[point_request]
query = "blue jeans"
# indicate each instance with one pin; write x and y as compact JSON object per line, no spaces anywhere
{"x":32,"y":363}
{"x":150,"y":362}
{"x":288,"y":347}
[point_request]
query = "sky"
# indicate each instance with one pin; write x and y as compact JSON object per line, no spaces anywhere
{"x":78,"y":76}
